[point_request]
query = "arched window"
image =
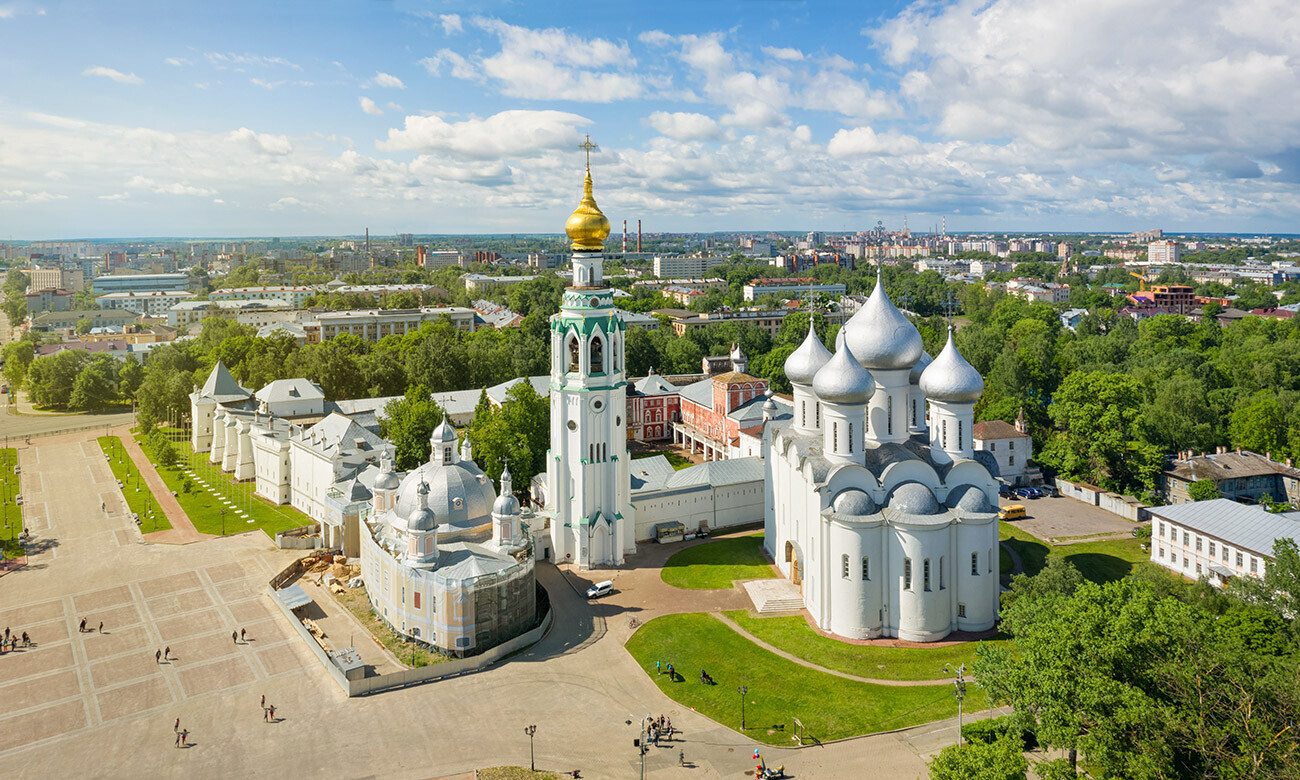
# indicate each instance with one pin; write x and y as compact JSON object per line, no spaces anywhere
{"x":615,"y":351}
{"x":907,"y":574}
{"x":597,"y":355}
{"x":944,"y":433}
{"x":573,"y":354}
{"x":850,"y":438}
{"x":835,"y":437}
{"x":925,"y":573}
{"x":889,"y":415}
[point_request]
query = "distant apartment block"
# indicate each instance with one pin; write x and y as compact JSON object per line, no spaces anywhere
{"x":295,"y":297}
{"x":791,"y":288}
{"x":544,"y":261}
{"x":1039,"y":291}
{"x":679,"y":266}
{"x":154,"y":304}
{"x":374,"y":324}
{"x":190,"y":313}
{"x":141,"y":283}
{"x":48,"y":300}
{"x":436,"y":258}
{"x":56,"y":279}
{"x":1164,"y":252}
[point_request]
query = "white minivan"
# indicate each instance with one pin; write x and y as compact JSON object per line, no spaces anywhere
{"x":600,"y":589}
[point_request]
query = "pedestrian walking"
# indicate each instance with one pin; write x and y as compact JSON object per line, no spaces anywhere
{"x":6,"y":633}
{"x":659,"y":667}
{"x":242,"y":632}
{"x":272,"y":710}
{"x":178,"y":739}
{"x":101,"y":627}
{"x":234,"y":637}
{"x":176,"y":727}
{"x":157,"y":656}
{"x":185,"y":733}
{"x":264,"y":702}
{"x":27,"y":642}
{"x":167,"y":653}
{"x":82,"y":628}
{"x":681,"y":758}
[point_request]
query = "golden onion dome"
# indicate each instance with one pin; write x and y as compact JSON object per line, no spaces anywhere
{"x":587,"y":227}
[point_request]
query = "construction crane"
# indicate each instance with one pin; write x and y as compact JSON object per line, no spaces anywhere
{"x":1142,"y":281}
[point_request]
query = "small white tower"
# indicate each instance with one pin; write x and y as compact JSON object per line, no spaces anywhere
{"x":442,"y":445}
{"x":800,"y":368}
{"x":422,"y":533}
{"x":952,"y":386}
{"x":506,"y":535}
{"x":844,"y":388}
{"x":386,"y":484}
{"x":915,"y":398}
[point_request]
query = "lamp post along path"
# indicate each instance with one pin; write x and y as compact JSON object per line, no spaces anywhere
{"x":530,"y":731}
{"x":959,"y":691}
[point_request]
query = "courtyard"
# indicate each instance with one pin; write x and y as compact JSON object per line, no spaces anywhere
{"x":105,"y":693}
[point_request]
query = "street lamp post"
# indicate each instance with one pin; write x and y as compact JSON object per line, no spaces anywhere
{"x":641,"y":742}
{"x":530,"y":731}
{"x":743,"y":691}
{"x":223,"y":521}
{"x":959,"y":691}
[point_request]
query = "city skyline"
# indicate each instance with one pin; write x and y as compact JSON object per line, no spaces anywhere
{"x":1012,"y":115}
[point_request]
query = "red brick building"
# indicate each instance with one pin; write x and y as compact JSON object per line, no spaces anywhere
{"x":653,"y":405}
{"x":716,"y":409}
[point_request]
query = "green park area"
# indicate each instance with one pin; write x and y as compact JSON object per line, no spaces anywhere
{"x":13,"y":513}
{"x":1101,"y":561}
{"x":224,"y":506}
{"x":677,"y":461}
{"x":830,"y":707}
{"x":718,"y":564}
{"x":794,"y":636}
{"x":139,"y":498}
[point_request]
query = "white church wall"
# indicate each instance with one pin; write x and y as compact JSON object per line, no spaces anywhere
{"x":971,"y":472}
{"x":978,"y":593}
{"x":700,"y":507}
{"x":902,"y":471}
{"x":923,"y":615}
{"x":855,"y":600}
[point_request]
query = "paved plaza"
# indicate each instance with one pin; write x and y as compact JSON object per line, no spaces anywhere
{"x":99,"y":704}
{"x":1065,"y":518}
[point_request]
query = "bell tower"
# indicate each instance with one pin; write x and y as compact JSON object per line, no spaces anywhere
{"x":588,"y":487}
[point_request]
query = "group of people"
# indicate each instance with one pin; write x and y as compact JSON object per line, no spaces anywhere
{"x":661,"y":728}
{"x":81,"y":629}
{"x":13,"y":641}
{"x":268,"y":712}
{"x":181,"y":734}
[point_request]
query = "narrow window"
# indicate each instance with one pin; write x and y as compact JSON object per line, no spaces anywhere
{"x":1011,"y":445}
{"x":597,"y":355}
{"x":803,"y":414}
{"x":416,"y":596}
{"x":1254,"y":565}
{"x":1162,"y":551}
{"x":1198,"y":543}
{"x":446,"y":455}
{"x":850,"y":438}
{"x":817,"y":414}
{"x":960,"y":436}
{"x":866,"y":567}
{"x":941,"y":582}
{"x":993,"y":446}
{"x":1198,"y":568}
{"x":573,"y":354}
{"x":1187,"y":539}
{"x":988,"y":561}
{"x":1225,"y":554}
{"x":907,"y":574}
{"x":913,"y":412}
{"x":975,"y":564}
{"x":1161,"y":528}
{"x":1011,"y":460}
{"x":943,"y":429}
{"x":844,"y":566}
{"x":961,"y":610}
{"x":835,"y":437}
{"x":889,"y":415}
{"x":925,"y":573}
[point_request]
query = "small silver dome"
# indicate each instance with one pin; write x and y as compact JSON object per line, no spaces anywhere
{"x":804,"y":363}
{"x":444,"y":433}
{"x":880,"y":336}
{"x":506,"y":504}
{"x":913,"y":498}
{"x":422,"y":519}
{"x":921,"y":365}
{"x":843,"y":380}
{"x":855,"y":503}
{"x":387,"y":480}
{"x":968,"y":498}
{"x":950,"y":379}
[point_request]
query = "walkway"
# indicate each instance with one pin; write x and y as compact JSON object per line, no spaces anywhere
{"x":796,"y":659}
{"x":182,"y":530}
{"x":1017,"y":565}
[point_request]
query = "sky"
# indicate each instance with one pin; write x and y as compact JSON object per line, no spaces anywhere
{"x":290,"y":118}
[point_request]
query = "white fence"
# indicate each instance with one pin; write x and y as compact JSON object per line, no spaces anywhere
{"x":1126,"y":507}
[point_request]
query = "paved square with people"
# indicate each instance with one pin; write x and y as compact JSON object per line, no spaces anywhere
{"x":100,"y":702}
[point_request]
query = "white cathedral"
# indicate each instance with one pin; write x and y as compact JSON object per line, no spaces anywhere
{"x":886,"y":520}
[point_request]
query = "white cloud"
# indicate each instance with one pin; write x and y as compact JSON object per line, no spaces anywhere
{"x":20,"y":196}
{"x":866,"y":141}
{"x":240,"y":62}
{"x":176,"y":61}
{"x":263,"y":143}
{"x":368,"y":106}
{"x":393,"y":106}
{"x":382,"y":79}
{"x":115,"y":196}
{"x":776,"y":53}
{"x":169,"y":188}
{"x":684,"y":126}
{"x":549,"y":64}
{"x":264,"y":84}
{"x":451,"y":23}
{"x":286,"y":202}
{"x":115,"y":75}
{"x":516,"y":133}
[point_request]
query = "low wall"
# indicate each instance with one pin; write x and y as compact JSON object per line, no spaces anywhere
{"x":403,"y":679}
{"x":1128,"y":508}
{"x":303,"y":538}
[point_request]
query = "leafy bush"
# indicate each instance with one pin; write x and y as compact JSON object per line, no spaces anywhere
{"x":989,"y":730}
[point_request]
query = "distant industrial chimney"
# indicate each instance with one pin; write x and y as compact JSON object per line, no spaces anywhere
{"x":625,"y":236}
{"x":638,"y":236}
{"x":367,"y":240}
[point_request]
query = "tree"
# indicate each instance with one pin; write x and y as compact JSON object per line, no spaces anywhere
{"x":1279,"y":588}
{"x":17,"y":355}
{"x":94,"y":386}
{"x":84,"y":325}
{"x":129,"y":376}
{"x":50,"y":378}
{"x":1203,"y":490}
{"x":408,"y":423}
{"x":245,"y":275}
{"x":1097,"y":415}
{"x":1259,"y":423}
{"x":1002,"y":759}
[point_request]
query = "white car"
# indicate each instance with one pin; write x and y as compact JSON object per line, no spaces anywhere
{"x":600,"y":589}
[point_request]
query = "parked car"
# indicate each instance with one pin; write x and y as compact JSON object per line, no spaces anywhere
{"x":1006,"y":492}
{"x":1023,"y":493}
{"x":600,"y":589}
{"x":1012,"y":512}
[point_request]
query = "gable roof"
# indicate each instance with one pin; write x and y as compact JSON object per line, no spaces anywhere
{"x":1228,"y":465}
{"x":290,"y":390}
{"x":996,"y":429}
{"x":1248,"y":527}
{"x":338,"y":434}
{"x":654,"y":385}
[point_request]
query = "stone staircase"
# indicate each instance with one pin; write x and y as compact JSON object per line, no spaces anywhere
{"x":781,"y":605}
{"x":774,"y":595}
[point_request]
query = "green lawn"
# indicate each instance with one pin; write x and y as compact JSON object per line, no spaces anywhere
{"x":1102,"y":561}
{"x":830,"y":707}
{"x":204,"y":508}
{"x":139,"y":497}
{"x":717,"y":564}
{"x":677,"y":461}
{"x":794,"y":636}
{"x":12,"y":524}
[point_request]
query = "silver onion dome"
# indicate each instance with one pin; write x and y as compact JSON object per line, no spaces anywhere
{"x":444,"y":433}
{"x":880,"y":336}
{"x":923,"y":363}
{"x":843,"y":380}
{"x":950,"y":379}
{"x":804,"y":362}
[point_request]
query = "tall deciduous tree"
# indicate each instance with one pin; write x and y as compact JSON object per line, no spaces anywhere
{"x":408,"y":422}
{"x":1002,"y":759}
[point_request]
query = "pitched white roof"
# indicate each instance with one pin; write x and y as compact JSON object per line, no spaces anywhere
{"x":1248,"y":527}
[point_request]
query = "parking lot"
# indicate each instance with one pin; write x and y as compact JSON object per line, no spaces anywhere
{"x":1059,"y":519}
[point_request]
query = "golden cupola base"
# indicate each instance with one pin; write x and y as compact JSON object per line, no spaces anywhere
{"x":587,"y":227}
